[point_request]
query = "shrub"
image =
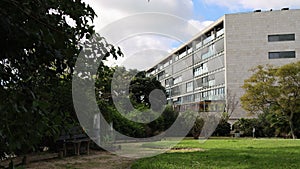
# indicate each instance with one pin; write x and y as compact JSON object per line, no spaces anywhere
{"x":245,"y":126}
{"x":197,"y":128}
{"x":223,"y":128}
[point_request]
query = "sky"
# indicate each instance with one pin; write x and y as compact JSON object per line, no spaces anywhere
{"x":147,"y":32}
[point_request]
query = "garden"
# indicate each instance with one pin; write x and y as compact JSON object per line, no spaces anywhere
{"x":190,"y":153}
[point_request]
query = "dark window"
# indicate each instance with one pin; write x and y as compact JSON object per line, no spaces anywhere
{"x":282,"y":37}
{"x":279,"y":55}
{"x":161,"y":75}
{"x":187,"y":99}
{"x":175,"y":91}
{"x":169,"y":82}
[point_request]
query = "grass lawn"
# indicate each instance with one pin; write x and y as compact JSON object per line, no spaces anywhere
{"x":226,"y":153}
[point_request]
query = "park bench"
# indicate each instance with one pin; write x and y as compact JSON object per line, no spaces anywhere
{"x":75,"y":140}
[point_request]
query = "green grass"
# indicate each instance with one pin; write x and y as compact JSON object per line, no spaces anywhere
{"x":226,"y":153}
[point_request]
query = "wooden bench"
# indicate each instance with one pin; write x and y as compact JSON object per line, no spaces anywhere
{"x":75,"y":139}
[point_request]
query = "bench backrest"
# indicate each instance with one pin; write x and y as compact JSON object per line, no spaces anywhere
{"x":74,"y":133}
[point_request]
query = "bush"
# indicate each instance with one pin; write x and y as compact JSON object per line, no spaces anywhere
{"x":245,"y":126}
{"x":262,"y":125}
{"x":197,"y":128}
{"x":169,"y":116}
{"x":140,"y":130}
{"x":127,"y":127}
{"x":223,"y":128}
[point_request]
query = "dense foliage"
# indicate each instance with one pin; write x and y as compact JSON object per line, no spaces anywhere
{"x":223,"y":128}
{"x":276,"y":91}
{"x":138,"y":87}
{"x":40,"y":42}
{"x":267,"y":125}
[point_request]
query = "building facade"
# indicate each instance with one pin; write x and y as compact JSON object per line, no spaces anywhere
{"x":215,"y":63}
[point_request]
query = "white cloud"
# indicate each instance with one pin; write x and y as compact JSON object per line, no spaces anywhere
{"x":145,"y":30}
{"x":255,"y":4}
{"x":109,"y":11}
{"x":200,"y":25}
{"x":145,"y":50}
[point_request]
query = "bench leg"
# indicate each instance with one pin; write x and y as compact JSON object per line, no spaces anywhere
{"x":78,"y":148}
{"x":88,"y":148}
{"x":64,"y":150}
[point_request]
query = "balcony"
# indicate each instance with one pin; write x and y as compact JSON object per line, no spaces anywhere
{"x":220,"y":32}
{"x":207,"y":40}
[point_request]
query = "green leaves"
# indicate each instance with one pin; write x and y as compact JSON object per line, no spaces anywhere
{"x":274,"y":90}
{"x":38,"y":52}
{"x":260,"y":89}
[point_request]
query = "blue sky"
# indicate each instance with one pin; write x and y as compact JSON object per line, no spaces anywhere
{"x":208,"y":11}
{"x":146,"y":39}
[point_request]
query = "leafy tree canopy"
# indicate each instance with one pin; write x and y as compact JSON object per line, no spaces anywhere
{"x":40,"y":42}
{"x":274,"y":90}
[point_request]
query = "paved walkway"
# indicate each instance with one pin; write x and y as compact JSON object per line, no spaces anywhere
{"x":96,"y":160}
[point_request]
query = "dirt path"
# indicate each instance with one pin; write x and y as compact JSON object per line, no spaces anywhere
{"x":96,"y":160}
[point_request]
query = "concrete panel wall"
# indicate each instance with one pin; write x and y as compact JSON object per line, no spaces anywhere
{"x":216,"y":63}
{"x":183,"y":63}
{"x":246,"y":38}
{"x":187,"y":75}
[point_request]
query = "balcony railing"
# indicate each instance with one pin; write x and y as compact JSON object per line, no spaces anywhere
{"x":220,"y":32}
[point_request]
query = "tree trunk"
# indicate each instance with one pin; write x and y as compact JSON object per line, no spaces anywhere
{"x":292,"y":126}
{"x":292,"y":130}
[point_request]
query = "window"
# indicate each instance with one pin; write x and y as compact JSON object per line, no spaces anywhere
{"x":176,"y":58}
{"x":197,"y":96}
{"x":282,"y":37}
{"x":168,"y":82}
{"x":175,"y":91}
{"x":166,"y":64}
{"x":198,"y":83}
{"x":211,"y":77}
{"x":280,"y":55}
{"x":201,"y":69}
{"x":221,"y":91}
{"x":204,"y":94}
{"x":208,"y":51}
{"x":177,"y":80}
{"x":161,"y":75}
{"x":168,"y":92}
{"x":189,"y":87}
{"x":187,"y":99}
{"x":197,"y":71}
{"x":205,"y":81}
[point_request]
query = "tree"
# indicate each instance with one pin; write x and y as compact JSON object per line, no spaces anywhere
{"x":230,"y":105}
{"x":141,"y":88}
{"x":116,"y":106}
{"x":138,"y":87}
{"x":274,"y":90}
{"x":40,"y":42}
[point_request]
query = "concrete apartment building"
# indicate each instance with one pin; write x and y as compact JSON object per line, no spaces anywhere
{"x":216,"y":62}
